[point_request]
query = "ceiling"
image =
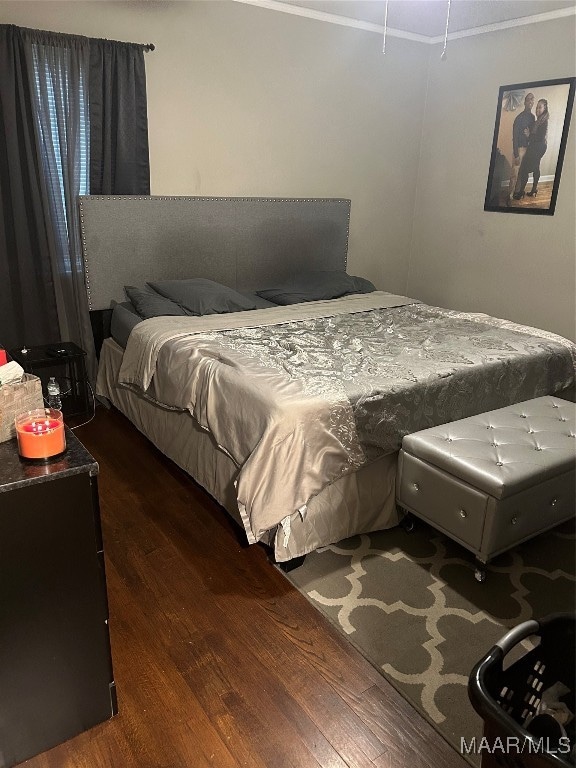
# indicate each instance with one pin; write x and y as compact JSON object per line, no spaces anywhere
{"x":428,"y":17}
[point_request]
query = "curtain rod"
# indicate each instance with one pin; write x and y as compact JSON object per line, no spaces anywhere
{"x":48,"y":33}
{"x":144,"y":46}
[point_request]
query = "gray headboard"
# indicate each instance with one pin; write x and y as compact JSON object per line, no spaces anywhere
{"x":246,"y":243}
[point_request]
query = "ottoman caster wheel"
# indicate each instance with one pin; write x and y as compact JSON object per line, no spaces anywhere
{"x":480,"y":575}
{"x":408,"y":524}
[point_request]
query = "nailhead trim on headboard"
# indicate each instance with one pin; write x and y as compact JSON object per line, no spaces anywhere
{"x":109,"y":235}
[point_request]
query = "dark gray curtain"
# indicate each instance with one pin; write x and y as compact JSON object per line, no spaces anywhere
{"x":28,"y":307}
{"x":48,"y":128}
{"x":118,"y":120}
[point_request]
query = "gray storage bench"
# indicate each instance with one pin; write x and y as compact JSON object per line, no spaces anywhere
{"x":493,"y":480}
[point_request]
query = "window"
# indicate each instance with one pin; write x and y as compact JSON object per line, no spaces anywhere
{"x":62,"y":119}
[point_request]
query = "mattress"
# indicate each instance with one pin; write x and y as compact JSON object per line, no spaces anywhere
{"x":123,"y":320}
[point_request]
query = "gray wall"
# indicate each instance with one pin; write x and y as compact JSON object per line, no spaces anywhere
{"x":247,"y":101}
{"x":520,"y":267}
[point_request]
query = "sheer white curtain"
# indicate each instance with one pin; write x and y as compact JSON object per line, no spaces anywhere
{"x":60,"y":76}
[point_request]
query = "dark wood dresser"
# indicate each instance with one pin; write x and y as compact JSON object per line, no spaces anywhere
{"x":56,"y":676}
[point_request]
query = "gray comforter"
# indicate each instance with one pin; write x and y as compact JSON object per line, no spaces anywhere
{"x":299,"y":395}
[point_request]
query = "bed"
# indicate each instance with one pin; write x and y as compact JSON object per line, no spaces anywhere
{"x":289,"y":414}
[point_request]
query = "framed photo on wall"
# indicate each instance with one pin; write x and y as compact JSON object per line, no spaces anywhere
{"x":530,"y":135}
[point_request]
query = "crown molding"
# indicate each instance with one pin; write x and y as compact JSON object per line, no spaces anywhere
{"x":536,"y":19}
{"x":333,"y":18}
{"x":344,"y":21}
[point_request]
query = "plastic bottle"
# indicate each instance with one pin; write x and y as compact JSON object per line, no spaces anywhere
{"x":53,"y":389}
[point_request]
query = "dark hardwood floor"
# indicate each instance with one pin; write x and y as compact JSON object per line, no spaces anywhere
{"x":541,"y":200}
{"x":218,"y":660}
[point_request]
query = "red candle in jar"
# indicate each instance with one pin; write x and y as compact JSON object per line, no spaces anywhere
{"x":40,"y":433}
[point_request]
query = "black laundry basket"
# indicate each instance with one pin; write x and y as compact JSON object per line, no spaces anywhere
{"x":504,"y":698}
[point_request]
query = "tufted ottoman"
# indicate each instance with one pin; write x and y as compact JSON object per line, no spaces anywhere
{"x":493,"y":480}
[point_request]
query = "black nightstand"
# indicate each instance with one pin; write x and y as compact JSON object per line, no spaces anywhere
{"x":68,"y":368}
{"x":56,"y":677}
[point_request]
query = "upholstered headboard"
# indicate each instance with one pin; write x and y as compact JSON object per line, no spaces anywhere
{"x":246,"y":243}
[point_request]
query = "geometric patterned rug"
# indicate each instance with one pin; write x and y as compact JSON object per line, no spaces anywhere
{"x":410,"y":604}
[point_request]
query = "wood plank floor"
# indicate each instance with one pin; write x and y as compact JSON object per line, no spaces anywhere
{"x":218,"y":660}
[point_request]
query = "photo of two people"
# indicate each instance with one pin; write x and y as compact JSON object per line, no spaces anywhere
{"x":530,"y":137}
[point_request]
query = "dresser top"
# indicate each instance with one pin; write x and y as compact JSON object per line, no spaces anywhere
{"x":18,"y":473}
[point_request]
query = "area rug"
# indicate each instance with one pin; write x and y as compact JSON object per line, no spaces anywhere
{"x":410,"y":604}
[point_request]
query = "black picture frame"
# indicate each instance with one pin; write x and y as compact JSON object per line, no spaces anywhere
{"x":534,"y":146}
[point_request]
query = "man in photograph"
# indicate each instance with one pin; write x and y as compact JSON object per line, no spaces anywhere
{"x":520,"y":137}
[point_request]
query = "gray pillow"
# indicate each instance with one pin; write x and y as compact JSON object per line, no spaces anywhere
{"x":203,"y":297}
{"x":258,"y":301}
{"x":127,"y":305}
{"x":315,"y":286}
{"x":150,"y":304}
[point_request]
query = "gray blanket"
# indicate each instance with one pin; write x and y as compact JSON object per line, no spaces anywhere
{"x":298,"y":396}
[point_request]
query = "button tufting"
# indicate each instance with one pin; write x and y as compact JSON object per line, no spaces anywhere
{"x":470,"y":464}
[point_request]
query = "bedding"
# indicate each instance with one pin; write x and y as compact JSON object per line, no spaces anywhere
{"x":149,"y":303}
{"x":302,"y":395}
{"x":199,"y":296}
{"x":356,"y":503}
{"x":124,"y":318}
{"x":316,"y":286}
{"x":258,"y":301}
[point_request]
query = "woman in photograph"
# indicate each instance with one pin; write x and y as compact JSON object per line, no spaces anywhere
{"x":537,"y":145}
